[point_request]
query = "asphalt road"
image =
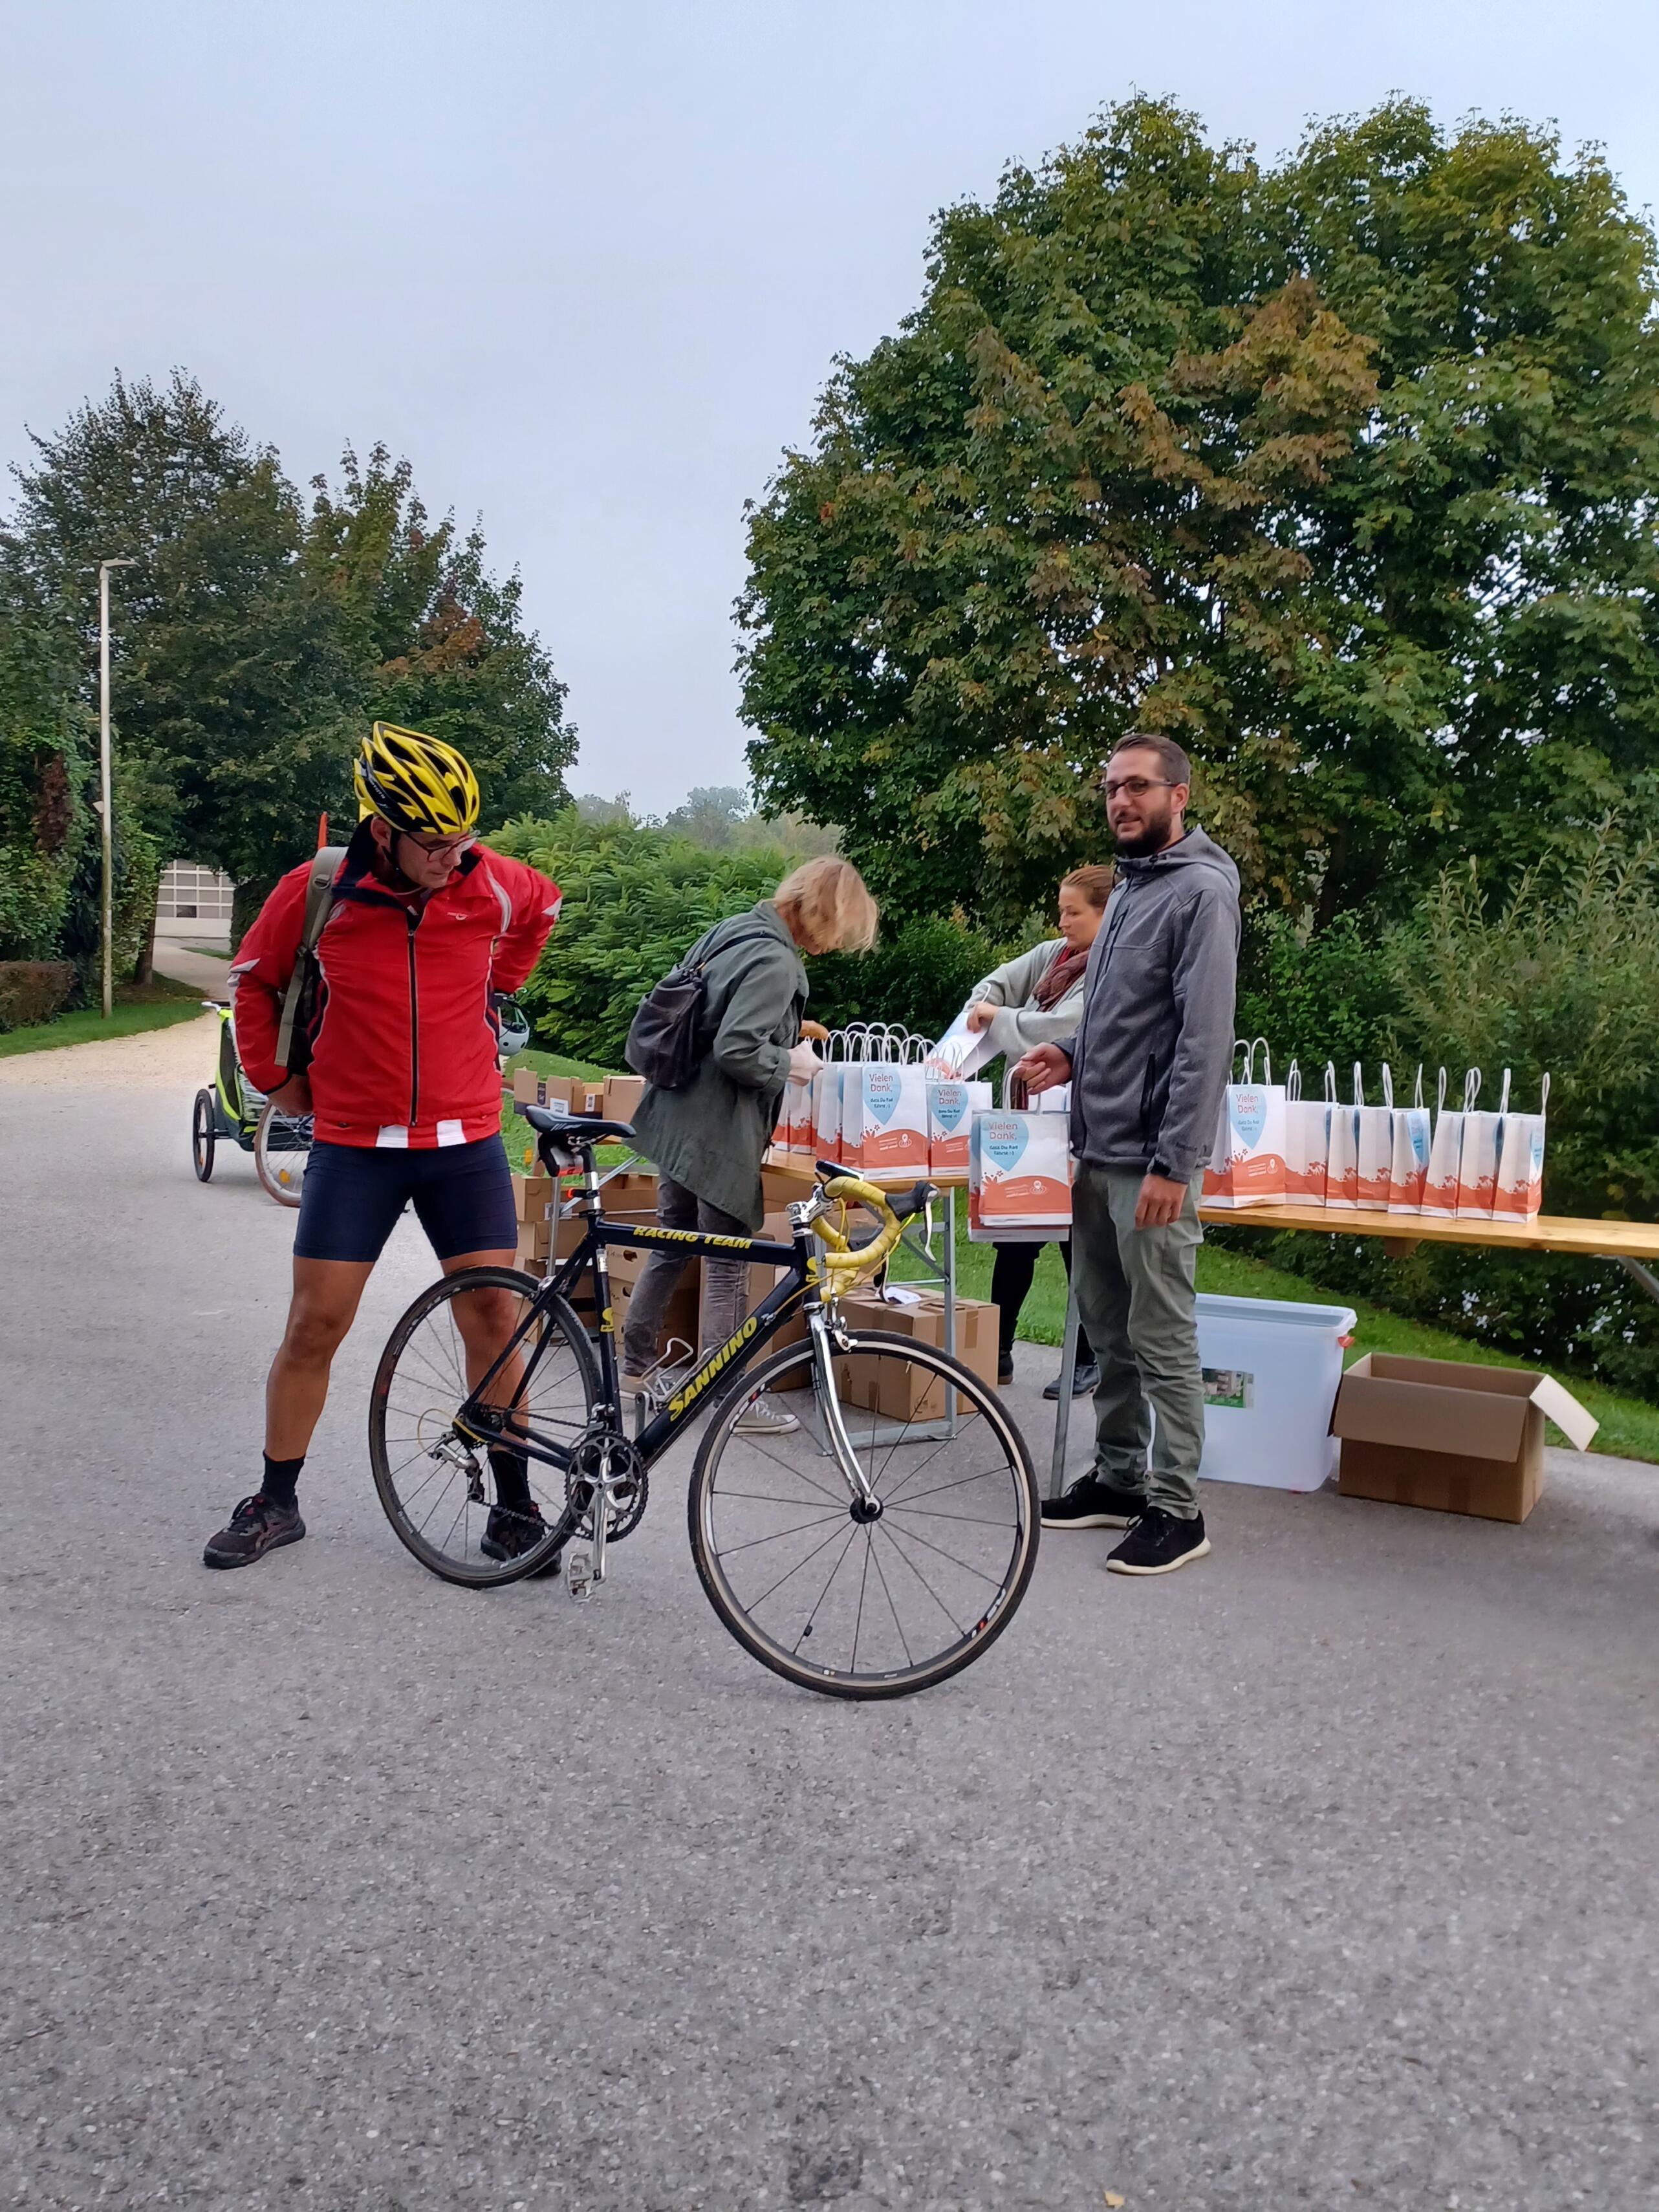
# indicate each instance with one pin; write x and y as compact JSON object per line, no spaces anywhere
{"x":1319,"y":1875}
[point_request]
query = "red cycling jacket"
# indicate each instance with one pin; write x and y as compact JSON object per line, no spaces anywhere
{"x":403,"y":1050}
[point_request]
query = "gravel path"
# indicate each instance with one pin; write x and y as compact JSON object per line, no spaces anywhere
{"x":1321,"y":1875}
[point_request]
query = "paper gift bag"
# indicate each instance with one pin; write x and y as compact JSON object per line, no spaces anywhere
{"x":884,"y":1112}
{"x":1247,"y":1166}
{"x":1520,"y":1163}
{"x":1019,"y":1178}
{"x":826,"y":1111}
{"x":1307,"y":1138}
{"x":1477,"y":1170}
{"x":1409,"y":1168}
{"x":1373,"y":1145}
{"x":961,"y":1052}
{"x":952,"y":1106}
{"x":1342,"y":1170}
{"x":1446,"y":1150}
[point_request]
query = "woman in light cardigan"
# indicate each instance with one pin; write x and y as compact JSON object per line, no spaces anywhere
{"x":1037,"y":1000}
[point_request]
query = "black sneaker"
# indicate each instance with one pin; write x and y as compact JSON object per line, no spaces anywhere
{"x":1159,"y":1544}
{"x":1091,"y":1503}
{"x":255,"y":1528}
{"x":511,"y":1531}
{"x":1004,"y":1368}
{"x":1084,"y":1376}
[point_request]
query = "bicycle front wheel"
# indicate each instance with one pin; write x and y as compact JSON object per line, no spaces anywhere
{"x":281,"y":1148}
{"x":442,"y":1489}
{"x":857,"y":1596}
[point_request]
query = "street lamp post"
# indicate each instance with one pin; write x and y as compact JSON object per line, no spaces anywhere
{"x":104,"y":802}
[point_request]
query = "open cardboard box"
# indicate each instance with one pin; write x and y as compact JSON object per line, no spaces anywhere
{"x":1451,"y":1437}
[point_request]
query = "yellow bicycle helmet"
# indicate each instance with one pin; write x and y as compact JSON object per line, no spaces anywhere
{"x":416,"y":783}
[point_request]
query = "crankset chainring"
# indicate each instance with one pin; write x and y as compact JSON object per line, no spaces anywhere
{"x":614,"y":1455}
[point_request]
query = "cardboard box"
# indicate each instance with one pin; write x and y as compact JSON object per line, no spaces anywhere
{"x":622,"y":1094}
{"x":532,"y":1196}
{"x":885,"y":1387}
{"x":1451,"y":1437}
{"x":532,"y":1090}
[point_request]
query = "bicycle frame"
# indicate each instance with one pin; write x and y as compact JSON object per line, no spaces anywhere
{"x":484,"y":1423}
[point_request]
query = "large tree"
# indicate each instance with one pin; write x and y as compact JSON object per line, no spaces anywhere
{"x":1339,"y":472}
{"x":256,"y":638}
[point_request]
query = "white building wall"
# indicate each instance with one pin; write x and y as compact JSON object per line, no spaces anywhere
{"x":192,"y":905}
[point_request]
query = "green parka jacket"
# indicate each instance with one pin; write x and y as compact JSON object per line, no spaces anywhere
{"x":711,"y":1136}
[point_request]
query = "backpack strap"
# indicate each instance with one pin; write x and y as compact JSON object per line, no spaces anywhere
{"x":319,"y":902}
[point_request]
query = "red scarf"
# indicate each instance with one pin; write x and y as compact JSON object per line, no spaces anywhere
{"x":1064,"y":970}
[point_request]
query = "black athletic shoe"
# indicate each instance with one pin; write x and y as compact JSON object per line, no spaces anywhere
{"x":1004,"y":1368}
{"x":510,"y":1532}
{"x":255,"y":1528}
{"x":1084,"y":1376}
{"x":1091,"y":1503}
{"x":1159,"y":1544}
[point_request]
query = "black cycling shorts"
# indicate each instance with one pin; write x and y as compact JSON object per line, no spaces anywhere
{"x":353,"y":1193}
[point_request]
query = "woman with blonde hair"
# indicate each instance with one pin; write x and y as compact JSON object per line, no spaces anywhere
{"x":1037,"y":1000}
{"x":709,"y":1139}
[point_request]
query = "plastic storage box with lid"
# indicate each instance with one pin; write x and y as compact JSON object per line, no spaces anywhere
{"x":1270,"y":1371}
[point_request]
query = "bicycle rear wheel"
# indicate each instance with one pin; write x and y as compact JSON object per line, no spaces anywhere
{"x":852,"y":1598}
{"x":282,"y":1148}
{"x":440,"y":1488}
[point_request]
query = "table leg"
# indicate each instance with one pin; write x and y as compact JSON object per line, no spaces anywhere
{"x":1063,"y":1410}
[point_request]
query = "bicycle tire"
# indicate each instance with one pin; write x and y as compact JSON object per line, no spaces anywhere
{"x":279,"y":1181}
{"x":463,"y":1568}
{"x":1022,"y":1533}
{"x":201,"y":1136}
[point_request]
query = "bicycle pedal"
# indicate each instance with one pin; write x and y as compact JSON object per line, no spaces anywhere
{"x":579,"y":1575}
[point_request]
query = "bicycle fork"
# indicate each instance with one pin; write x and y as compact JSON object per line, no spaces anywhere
{"x":823,"y":1365}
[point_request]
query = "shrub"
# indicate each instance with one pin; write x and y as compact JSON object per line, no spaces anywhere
{"x":636,"y":898}
{"x":1561,"y":976}
{"x":33,"y":991}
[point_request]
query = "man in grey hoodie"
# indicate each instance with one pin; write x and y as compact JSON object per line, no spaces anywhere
{"x":1147,"y":1067}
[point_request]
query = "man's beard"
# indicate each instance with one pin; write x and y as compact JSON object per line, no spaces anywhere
{"x":1153,"y":839}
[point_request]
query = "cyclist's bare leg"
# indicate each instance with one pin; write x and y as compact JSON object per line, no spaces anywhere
{"x":486,"y":1319}
{"x":321,"y":1309}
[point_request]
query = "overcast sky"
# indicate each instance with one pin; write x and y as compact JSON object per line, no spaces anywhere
{"x":587,"y":266}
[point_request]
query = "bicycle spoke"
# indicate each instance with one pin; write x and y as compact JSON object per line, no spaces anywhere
{"x":812,"y":1616}
{"x":903,"y":1556}
{"x":909,"y":1658}
{"x":796,"y":1569}
{"x":730,"y":1552}
{"x":967,"y":1568}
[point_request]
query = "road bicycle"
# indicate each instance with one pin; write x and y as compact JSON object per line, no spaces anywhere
{"x":863,"y":1513}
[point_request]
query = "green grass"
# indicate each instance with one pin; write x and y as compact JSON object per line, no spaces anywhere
{"x":1630,"y":1427}
{"x":138,"y":1007}
{"x":515,"y":1133}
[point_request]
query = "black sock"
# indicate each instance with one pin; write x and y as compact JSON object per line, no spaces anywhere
{"x":281,"y":1475}
{"x":511,"y":1472}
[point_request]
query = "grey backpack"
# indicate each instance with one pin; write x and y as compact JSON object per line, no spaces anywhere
{"x":299,"y":999}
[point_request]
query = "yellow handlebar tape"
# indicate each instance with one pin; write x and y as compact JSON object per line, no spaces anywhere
{"x":842,"y":1266}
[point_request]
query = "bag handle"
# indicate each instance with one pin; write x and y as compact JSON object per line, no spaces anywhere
{"x":1471,"y":1089}
{"x":1266,"y":1062}
{"x":1503,"y":1101}
{"x":1387,"y":1086}
{"x":1330,"y":1083}
{"x":1440,"y":1102}
{"x":1292,"y":1083}
{"x":1544,"y":1100}
{"x":1359,"y":1086}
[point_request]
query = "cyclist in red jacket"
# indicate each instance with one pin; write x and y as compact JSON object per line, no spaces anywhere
{"x":404,"y":1085}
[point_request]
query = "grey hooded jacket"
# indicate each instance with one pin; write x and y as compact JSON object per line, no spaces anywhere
{"x":1154,"y":1044}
